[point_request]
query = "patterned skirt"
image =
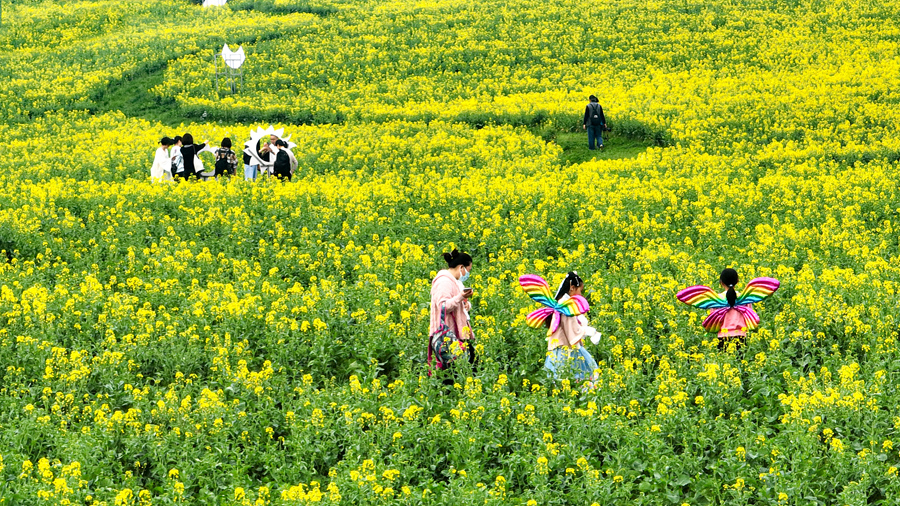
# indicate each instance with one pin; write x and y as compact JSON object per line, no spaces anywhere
{"x":571,"y":362}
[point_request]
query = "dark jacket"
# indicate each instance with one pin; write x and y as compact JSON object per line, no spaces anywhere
{"x":591,"y":108}
{"x":283,"y":163}
{"x":188,"y":152}
{"x":226,"y":162}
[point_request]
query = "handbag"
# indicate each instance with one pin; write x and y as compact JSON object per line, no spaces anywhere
{"x":444,"y":346}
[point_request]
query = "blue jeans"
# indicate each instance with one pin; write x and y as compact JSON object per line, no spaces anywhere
{"x":250,"y":172}
{"x":595,"y":133}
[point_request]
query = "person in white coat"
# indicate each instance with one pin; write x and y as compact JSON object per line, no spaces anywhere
{"x":161,"y":170}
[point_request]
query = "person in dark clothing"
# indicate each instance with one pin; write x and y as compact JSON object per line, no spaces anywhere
{"x":226,"y":160}
{"x":594,"y":122}
{"x":282,"y":161}
{"x":188,"y":152}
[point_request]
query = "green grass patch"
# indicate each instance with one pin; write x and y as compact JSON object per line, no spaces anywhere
{"x":616,"y":146}
{"x":133,"y":98}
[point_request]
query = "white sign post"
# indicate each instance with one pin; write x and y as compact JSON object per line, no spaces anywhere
{"x":231,"y":72}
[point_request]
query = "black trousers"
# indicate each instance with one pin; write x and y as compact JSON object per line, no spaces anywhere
{"x":470,"y":352}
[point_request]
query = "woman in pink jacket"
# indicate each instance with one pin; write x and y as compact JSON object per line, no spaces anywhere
{"x":448,"y":290}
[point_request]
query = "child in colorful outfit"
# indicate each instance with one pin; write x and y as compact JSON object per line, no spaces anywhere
{"x":733,"y":328}
{"x":565,"y":349}
{"x":731,"y":315}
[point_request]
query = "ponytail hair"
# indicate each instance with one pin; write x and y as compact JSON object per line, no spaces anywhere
{"x":455,"y":259}
{"x":572,"y":281}
{"x":729,"y":278}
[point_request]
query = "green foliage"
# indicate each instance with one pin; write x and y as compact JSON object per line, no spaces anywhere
{"x":236,"y":343}
{"x":281,"y":7}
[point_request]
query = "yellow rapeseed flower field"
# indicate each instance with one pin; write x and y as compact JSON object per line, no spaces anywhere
{"x":263,"y":343}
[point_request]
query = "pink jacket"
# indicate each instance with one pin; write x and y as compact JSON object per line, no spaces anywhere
{"x":570,"y":333}
{"x":445,"y":289}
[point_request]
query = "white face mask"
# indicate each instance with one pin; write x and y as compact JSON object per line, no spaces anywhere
{"x":464,"y":277}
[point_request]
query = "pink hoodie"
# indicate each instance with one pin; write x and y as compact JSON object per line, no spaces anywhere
{"x":445,"y":289}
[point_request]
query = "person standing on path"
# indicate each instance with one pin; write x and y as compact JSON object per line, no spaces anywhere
{"x":594,"y":122}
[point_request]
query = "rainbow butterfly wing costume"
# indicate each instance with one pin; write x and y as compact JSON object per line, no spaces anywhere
{"x":538,"y":289}
{"x":703,"y":297}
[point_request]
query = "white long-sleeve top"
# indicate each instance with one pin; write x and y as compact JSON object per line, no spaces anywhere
{"x":177,"y":159}
{"x":162,"y":165}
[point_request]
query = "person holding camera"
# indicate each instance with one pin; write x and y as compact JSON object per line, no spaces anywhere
{"x":594,"y":122}
{"x":268,"y":154}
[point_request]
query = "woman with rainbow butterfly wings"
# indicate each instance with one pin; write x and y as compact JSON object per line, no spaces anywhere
{"x":731,"y":315}
{"x":566,"y":325}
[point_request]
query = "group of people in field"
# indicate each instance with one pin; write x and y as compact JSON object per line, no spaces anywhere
{"x":451,"y":336}
{"x":178,"y":158}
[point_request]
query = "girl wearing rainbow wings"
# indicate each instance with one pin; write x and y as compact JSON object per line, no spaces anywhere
{"x":566,"y":325}
{"x":730,"y":315}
